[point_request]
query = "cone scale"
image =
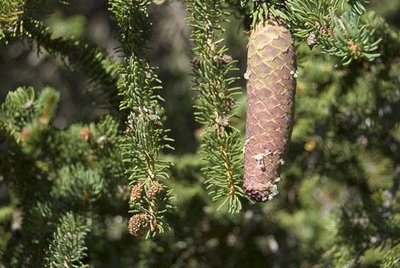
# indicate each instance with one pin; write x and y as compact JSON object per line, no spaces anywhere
{"x":270,"y":105}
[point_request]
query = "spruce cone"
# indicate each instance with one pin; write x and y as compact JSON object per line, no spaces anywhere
{"x":270,"y":106}
{"x":136,"y":192}
{"x":155,"y":189}
{"x":136,"y":224}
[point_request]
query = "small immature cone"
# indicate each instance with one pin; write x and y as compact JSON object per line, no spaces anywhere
{"x":136,"y":224}
{"x":270,"y":105}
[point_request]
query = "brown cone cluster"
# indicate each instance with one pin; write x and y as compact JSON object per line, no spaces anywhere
{"x":270,"y":105}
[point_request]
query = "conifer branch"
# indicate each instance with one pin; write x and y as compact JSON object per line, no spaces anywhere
{"x":67,"y":248}
{"x":26,"y":117}
{"x":25,"y":124}
{"x":15,"y":21}
{"x":79,"y":55}
{"x":144,"y":137}
{"x":338,"y":27}
{"x":12,"y":13}
{"x":212,"y":68}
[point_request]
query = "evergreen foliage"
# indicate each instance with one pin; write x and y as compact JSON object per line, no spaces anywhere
{"x":145,"y":137}
{"x":79,"y":55}
{"x":221,"y":144}
{"x":337,"y":26}
{"x":65,"y":192}
{"x":68,"y":245}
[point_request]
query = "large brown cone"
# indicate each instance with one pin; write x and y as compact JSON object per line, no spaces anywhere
{"x":270,"y":91}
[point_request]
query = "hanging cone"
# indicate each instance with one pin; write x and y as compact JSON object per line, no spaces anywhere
{"x":270,"y":92}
